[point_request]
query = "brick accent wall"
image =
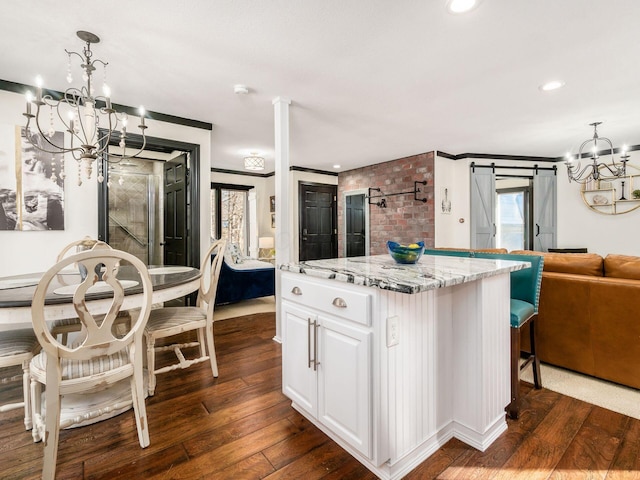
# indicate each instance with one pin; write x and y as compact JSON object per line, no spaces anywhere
{"x":404,"y":220}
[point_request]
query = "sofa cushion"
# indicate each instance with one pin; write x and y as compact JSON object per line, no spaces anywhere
{"x":622,"y":266}
{"x":576,"y":263}
{"x":235,"y":255}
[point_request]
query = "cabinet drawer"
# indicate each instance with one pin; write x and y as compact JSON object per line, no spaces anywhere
{"x":333,"y":299}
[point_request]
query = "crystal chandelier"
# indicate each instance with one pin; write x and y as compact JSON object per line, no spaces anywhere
{"x":90,"y":120}
{"x":595,"y":171}
{"x":254,"y":162}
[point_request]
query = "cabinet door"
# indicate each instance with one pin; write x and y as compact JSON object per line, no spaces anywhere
{"x":299,"y":380}
{"x":344,"y":382}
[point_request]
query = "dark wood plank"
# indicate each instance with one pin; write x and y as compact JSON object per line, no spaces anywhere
{"x":476,"y":464}
{"x":241,"y":426}
{"x":593,"y":448}
{"x":543,"y":448}
{"x":626,"y":465}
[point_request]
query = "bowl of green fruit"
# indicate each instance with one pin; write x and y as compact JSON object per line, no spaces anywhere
{"x":405,"y":253}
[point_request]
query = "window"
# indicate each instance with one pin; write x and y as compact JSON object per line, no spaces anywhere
{"x":230,"y":214}
{"x":513,"y":218}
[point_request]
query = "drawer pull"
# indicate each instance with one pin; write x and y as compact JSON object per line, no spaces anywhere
{"x":296,"y":291}
{"x":339,"y":302}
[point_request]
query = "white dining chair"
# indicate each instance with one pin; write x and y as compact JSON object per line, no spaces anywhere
{"x":17,"y":348}
{"x":100,"y":357}
{"x":171,"y":321}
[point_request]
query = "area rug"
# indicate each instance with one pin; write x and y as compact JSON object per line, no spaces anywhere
{"x":608,"y":395}
{"x":246,"y":307}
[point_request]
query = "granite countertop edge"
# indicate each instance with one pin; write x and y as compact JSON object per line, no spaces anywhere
{"x":380,"y":271}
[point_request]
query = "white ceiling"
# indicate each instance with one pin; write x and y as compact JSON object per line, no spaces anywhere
{"x":369,"y":80}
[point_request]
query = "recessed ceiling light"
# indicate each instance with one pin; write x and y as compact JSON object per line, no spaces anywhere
{"x":553,"y":85}
{"x":336,"y":166}
{"x":461,"y":6}
{"x":240,"y":89}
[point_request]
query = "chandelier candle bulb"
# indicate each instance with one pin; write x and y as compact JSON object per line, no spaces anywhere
{"x":142,"y":125}
{"x":39,"y":89}
{"x":107,"y":96}
{"x":29,"y":97}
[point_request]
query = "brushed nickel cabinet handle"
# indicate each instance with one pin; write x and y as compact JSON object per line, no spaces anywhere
{"x":309,"y":325}
{"x":315,"y":346}
{"x":339,"y":302}
{"x":296,"y":291}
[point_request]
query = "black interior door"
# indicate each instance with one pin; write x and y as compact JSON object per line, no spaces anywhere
{"x":175,"y":211}
{"x":355,"y":224}
{"x":318,"y":219}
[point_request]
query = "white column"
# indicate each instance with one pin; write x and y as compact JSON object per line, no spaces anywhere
{"x":284,"y":235}
{"x":253,"y":224}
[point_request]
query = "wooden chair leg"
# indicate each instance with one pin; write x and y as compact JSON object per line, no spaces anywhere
{"x":138,"y":399}
{"x":151,"y":365}
{"x":533,"y":336}
{"x":26,"y":395}
{"x":52,"y":429}
{"x":37,"y":428}
{"x":513,"y":409}
{"x":212,"y":350}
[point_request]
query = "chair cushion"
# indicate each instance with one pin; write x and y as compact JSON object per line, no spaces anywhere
{"x":521,"y":311}
{"x":172,"y":317}
{"x":17,"y":342}
{"x":77,"y":369}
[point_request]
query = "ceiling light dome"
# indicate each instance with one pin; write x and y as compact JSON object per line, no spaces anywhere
{"x":461,"y":6}
{"x":254,"y":162}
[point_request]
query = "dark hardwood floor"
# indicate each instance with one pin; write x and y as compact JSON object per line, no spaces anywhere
{"x":240,"y":426}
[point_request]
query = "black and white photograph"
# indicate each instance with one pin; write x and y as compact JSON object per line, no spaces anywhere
{"x":42,"y":206}
{"x":8,"y":179}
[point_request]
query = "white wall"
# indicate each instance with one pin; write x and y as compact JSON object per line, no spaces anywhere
{"x":452,"y":230}
{"x":26,"y":252}
{"x":578,"y":225}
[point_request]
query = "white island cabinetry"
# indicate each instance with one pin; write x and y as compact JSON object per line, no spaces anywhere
{"x":393,"y":361}
{"x":327,"y":360}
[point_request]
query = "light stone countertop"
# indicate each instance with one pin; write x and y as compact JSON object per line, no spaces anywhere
{"x":381,"y":271}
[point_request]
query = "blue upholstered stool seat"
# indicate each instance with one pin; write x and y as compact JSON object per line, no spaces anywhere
{"x":521,"y":311}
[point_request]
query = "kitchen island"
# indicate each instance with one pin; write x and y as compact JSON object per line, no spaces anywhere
{"x":392,"y":361}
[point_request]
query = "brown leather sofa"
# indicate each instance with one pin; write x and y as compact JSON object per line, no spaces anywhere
{"x":589,"y":315}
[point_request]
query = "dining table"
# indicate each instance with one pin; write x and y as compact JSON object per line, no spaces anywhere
{"x":169,"y":282}
{"x":16,"y":292}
